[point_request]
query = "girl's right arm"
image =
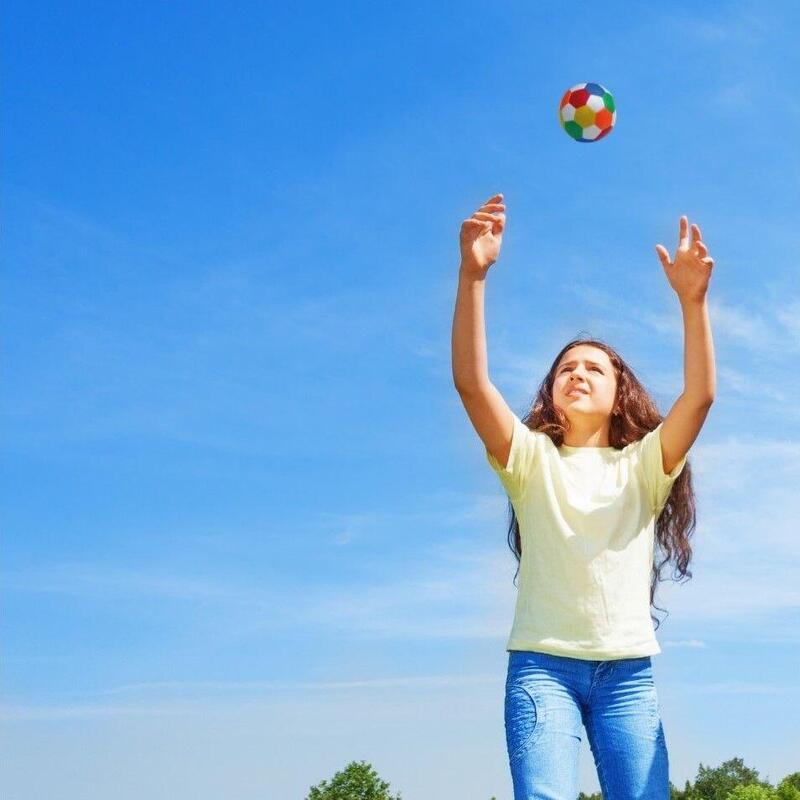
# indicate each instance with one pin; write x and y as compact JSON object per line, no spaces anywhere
{"x":481,"y":237}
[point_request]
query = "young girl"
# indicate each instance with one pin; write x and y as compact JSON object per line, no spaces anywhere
{"x":597,"y":481}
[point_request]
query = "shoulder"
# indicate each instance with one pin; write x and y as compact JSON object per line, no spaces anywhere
{"x":644,"y":441}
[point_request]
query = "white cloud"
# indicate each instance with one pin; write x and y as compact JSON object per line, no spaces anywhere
{"x":730,"y":380}
{"x":743,"y":326}
{"x":789,"y":316}
{"x":693,"y":643}
{"x":735,"y":687}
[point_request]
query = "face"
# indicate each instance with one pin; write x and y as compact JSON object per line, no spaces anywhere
{"x":588,"y":370}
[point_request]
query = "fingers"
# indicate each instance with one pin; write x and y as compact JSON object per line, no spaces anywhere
{"x":663,"y":255}
{"x":496,"y":201}
{"x":488,"y":220}
{"x":488,"y":215}
{"x":476,"y":223}
{"x":497,"y":218}
{"x":683,"y":233}
{"x":702,"y":250}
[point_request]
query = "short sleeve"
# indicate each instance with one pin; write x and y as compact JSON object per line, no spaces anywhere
{"x":522,"y":460}
{"x":658,"y":483}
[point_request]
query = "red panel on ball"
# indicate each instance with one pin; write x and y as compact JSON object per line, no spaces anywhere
{"x":564,"y":99}
{"x":579,"y":98}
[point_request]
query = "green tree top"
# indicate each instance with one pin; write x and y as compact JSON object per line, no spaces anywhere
{"x":357,"y":781}
{"x":752,"y":791}
{"x":718,"y":782}
{"x":789,"y":787}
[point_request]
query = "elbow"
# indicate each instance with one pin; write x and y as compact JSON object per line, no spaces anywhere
{"x":704,"y":400}
{"x":470,"y":388}
{"x":461,"y":387}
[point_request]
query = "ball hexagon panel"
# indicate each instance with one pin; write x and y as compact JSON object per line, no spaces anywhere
{"x":603,"y":118}
{"x":579,"y":97}
{"x":595,"y":88}
{"x":584,"y":116}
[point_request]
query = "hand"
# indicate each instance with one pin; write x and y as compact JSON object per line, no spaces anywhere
{"x":482,"y":235}
{"x":690,"y":272}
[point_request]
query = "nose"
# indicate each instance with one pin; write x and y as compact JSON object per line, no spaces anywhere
{"x":575,"y":380}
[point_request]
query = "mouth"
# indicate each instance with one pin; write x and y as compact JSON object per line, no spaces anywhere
{"x":576,"y":392}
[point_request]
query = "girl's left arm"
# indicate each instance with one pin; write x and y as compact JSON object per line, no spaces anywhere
{"x":689,"y":275}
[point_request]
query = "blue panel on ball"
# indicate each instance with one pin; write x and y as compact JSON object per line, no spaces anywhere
{"x":595,"y":88}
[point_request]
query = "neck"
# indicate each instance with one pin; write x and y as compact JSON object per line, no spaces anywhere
{"x":585,"y":433}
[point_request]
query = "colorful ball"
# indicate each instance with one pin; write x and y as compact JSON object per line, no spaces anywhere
{"x":587,"y":112}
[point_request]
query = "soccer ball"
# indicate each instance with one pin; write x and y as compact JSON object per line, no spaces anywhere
{"x":587,"y":112}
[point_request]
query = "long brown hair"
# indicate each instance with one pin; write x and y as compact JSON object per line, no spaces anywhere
{"x":635,"y":414}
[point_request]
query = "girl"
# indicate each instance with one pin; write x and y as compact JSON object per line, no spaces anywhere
{"x":597,"y":481}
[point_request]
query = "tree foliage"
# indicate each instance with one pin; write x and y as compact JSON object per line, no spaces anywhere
{"x":716,"y":783}
{"x":731,"y":780}
{"x":357,"y":781}
{"x":752,"y":791}
{"x":789,"y":787}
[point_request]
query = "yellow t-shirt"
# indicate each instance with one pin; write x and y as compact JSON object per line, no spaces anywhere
{"x":587,"y":524}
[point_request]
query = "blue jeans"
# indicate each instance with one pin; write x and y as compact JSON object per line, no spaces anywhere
{"x":549,"y":698}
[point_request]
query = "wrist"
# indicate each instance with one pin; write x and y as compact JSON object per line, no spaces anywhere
{"x":469,"y":272}
{"x":693,"y":302}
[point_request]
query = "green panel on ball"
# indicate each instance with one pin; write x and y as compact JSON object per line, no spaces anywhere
{"x":608,"y":101}
{"x":573,"y":129}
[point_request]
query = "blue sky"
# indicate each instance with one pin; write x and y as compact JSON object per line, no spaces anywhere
{"x":250,"y":534}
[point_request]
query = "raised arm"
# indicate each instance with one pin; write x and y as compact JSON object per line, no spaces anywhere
{"x":481,"y":237}
{"x":689,"y":275}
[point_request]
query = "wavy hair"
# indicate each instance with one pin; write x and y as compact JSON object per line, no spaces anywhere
{"x":635,"y":414}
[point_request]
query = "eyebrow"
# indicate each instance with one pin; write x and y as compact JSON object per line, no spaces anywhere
{"x":574,"y":361}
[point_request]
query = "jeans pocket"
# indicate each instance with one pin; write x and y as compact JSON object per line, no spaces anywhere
{"x":524,"y":717}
